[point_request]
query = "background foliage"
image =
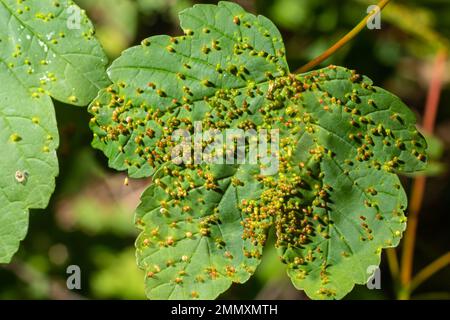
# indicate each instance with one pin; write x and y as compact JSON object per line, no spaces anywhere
{"x":89,"y":221}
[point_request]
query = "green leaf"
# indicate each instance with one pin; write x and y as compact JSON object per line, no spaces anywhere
{"x":336,"y":200}
{"x":40,"y":57}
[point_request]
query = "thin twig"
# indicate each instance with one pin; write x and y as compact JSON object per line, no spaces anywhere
{"x":429,"y":270}
{"x":409,"y":240}
{"x":344,"y":40}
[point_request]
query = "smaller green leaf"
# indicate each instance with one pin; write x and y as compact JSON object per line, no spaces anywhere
{"x":40,"y":57}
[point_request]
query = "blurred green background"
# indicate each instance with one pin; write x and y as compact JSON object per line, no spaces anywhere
{"x":90,"y":219}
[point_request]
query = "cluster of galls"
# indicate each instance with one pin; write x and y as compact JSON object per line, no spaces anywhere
{"x":257,"y":220}
{"x":232,"y":108}
{"x":141,"y":132}
{"x":295,"y":201}
{"x":179,"y":217}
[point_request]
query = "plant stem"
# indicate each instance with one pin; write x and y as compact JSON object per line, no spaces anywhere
{"x":418,"y":189}
{"x":434,"y":94}
{"x":428,"y":271}
{"x":344,"y":40}
{"x":417,"y":195}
